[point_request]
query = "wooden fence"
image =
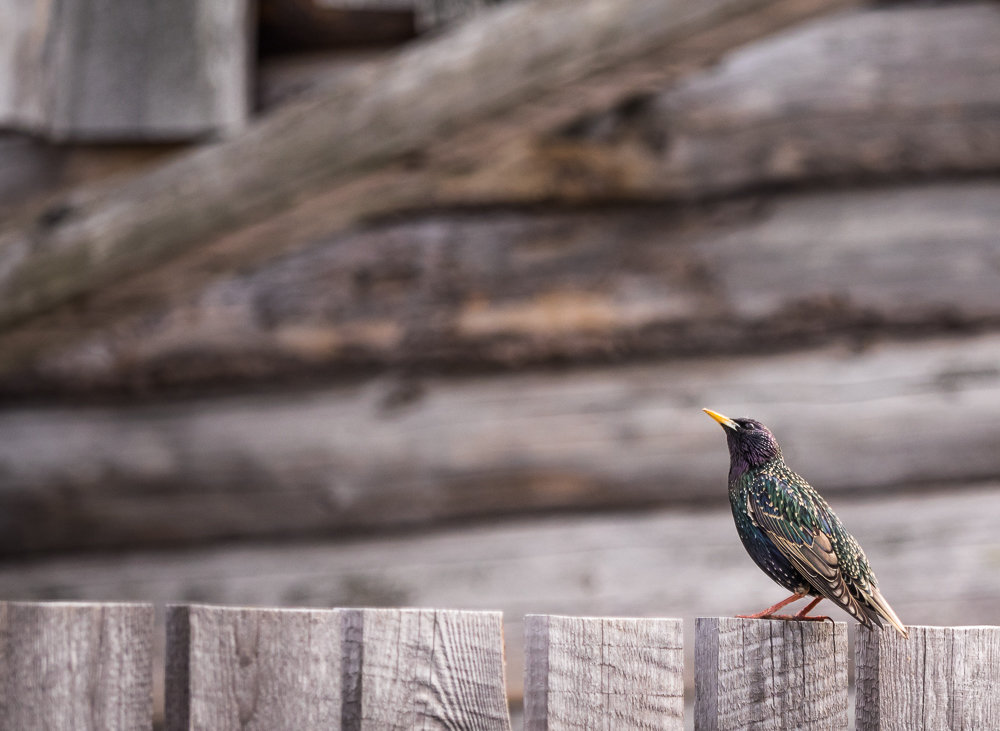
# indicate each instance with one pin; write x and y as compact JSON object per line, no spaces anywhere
{"x":90,"y":666}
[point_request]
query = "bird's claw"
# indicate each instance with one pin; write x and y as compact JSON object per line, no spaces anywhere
{"x":786,"y":617}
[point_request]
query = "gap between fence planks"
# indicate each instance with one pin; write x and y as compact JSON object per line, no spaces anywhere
{"x":761,"y":674}
{"x":941,"y":677}
{"x":76,"y":666}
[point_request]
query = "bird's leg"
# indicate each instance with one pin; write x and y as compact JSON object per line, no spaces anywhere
{"x":809,"y":608}
{"x":801,"y":615}
{"x":769,"y":612}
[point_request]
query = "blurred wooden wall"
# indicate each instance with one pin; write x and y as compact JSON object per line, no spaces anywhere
{"x":305,"y":367}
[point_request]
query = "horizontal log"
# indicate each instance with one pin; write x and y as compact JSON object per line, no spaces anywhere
{"x":387,"y":453}
{"x":425,"y":93}
{"x":674,"y":563}
{"x":507,"y":289}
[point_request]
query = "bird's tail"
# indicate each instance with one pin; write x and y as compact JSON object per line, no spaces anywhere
{"x":877,"y":602}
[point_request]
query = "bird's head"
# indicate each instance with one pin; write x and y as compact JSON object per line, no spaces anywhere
{"x":751,"y":444}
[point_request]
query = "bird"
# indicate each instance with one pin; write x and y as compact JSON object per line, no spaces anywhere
{"x":793,"y":535}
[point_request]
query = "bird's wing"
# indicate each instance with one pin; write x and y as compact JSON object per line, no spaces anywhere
{"x":802,"y":531}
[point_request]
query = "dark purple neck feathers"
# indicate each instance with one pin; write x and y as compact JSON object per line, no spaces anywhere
{"x":750,"y":448}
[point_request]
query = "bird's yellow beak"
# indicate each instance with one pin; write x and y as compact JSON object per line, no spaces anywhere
{"x":724,"y":420}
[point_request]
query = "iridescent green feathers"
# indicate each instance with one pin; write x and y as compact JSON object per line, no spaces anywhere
{"x":801,"y":525}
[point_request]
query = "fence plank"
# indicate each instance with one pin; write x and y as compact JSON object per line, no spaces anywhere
{"x":592,"y":672}
{"x":239,"y":668}
{"x":770,"y":674}
{"x":421,"y":667}
{"x":76,"y":665}
{"x":941,"y":677}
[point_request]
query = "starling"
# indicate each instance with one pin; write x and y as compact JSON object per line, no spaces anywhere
{"x":792,"y":534}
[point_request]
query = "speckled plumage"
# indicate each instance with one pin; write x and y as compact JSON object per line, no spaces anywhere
{"x":791,"y":532}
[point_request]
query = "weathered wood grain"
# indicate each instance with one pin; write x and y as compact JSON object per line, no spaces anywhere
{"x":244,"y":668}
{"x":766,"y":674}
{"x":941,"y":677}
{"x":679,"y":562}
{"x":906,"y":92}
{"x":32,"y":170}
{"x":603,"y":672}
{"x":75,"y":665}
{"x":426,"y":668}
{"x":72,"y":69}
{"x":237,"y":668}
{"x":425,"y":93}
{"x":502,"y":290}
{"x":894,"y":416}
{"x":163,"y":327}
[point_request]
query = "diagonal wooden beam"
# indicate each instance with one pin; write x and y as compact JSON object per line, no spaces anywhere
{"x":518,"y":57}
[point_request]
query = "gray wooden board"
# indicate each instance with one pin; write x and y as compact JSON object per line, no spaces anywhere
{"x":76,"y":666}
{"x":236,"y":668}
{"x":678,"y":563}
{"x":941,"y":677}
{"x":115,"y":69}
{"x":894,"y":416}
{"x":603,"y":672}
{"x":427,"y":668}
{"x":247,"y":668}
{"x":504,"y":290}
{"x":764,"y":674}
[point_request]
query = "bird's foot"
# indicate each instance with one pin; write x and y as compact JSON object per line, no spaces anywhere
{"x":797,"y":618}
{"x":769,"y":612}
